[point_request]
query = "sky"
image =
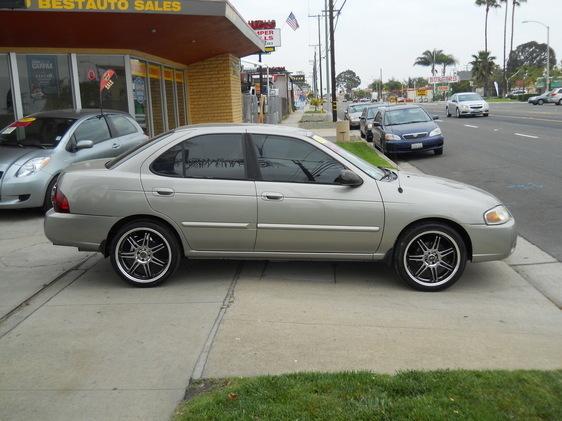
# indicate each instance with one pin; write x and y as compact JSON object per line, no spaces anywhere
{"x":391,"y":33}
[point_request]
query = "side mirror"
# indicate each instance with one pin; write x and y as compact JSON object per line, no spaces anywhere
{"x":84,"y":144}
{"x":349,"y":178}
{"x":436,"y":117}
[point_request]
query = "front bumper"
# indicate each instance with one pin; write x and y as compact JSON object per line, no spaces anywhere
{"x":25,"y":192}
{"x":481,"y":111}
{"x":405,"y":146}
{"x":86,"y":232}
{"x":492,"y":242}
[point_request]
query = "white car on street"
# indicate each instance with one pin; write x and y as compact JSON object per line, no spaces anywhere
{"x":467,"y":103}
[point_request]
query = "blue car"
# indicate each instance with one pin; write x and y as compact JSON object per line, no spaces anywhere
{"x":406,"y":128}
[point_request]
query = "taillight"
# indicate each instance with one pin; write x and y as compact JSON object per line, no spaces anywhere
{"x":60,"y":202}
{"x":553,"y":94}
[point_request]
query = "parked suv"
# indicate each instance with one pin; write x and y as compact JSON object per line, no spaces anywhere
{"x":467,"y":103}
{"x":34,"y":150}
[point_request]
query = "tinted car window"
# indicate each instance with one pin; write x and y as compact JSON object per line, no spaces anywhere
{"x":94,"y":128}
{"x":43,"y":132}
{"x":209,"y":156}
{"x":121,"y":125}
{"x":289,"y":160}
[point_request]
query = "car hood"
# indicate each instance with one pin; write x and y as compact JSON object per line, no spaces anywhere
{"x":18,"y":156}
{"x":402,"y":129}
{"x":474,"y":103}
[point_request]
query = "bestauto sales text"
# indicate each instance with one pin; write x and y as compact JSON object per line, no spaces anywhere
{"x":124,"y":5}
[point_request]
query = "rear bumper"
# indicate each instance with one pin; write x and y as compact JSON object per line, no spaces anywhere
{"x":405,"y":146}
{"x":86,"y":232}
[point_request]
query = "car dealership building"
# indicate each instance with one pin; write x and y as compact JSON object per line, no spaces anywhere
{"x":176,"y":62}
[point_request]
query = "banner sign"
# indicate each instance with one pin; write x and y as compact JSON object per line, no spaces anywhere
{"x":43,"y":75}
{"x":159,"y":6}
{"x":298,"y":78}
{"x":106,"y":82}
{"x":443,"y":79}
{"x":271,"y":37}
{"x":443,"y":88}
{"x":421,"y":92}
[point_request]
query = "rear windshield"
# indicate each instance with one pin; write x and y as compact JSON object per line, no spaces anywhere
{"x":357,"y":108}
{"x":130,"y":153}
{"x":40,"y":132}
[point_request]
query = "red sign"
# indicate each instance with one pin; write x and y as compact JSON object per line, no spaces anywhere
{"x":106,"y":82}
{"x":92,"y":74}
{"x":262,"y":24}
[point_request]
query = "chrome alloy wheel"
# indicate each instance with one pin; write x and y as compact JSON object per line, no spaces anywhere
{"x":432,"y":258}
{"x":143,"y":255}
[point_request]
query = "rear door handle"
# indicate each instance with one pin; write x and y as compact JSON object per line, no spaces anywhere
{"x":116,"y":146}
{"x":161,"y":191}
{"x":272,"y":196}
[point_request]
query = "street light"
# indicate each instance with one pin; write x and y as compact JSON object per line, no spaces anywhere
{"x":547,"y":50}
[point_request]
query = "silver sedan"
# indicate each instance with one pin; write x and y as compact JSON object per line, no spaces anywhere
{"x":268,"y":192}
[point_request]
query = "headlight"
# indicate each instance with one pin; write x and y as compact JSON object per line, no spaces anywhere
{"x":370,"y":126}
{"x":465,"y":107}
{"x":390,"y":136}
{"x":32,"y":166}
{"x":497,"y":216}
{"x":435,"y":132}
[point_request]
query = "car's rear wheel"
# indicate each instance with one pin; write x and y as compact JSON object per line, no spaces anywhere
{"x":559,"y":102}
{"x":540,"y":102}
{"x":145,"y":253}
{"x":430,"y":256}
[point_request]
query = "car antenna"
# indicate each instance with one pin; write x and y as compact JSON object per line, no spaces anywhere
{"x":400,"y":189}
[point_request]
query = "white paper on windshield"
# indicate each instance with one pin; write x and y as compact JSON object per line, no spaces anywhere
{"x":9,"y":130}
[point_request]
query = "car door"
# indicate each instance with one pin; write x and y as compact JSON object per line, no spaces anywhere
{"x":202,"y":184}
{"x":125,"y":133}
{"x":95,"y":129}
{"x":301,"y":208}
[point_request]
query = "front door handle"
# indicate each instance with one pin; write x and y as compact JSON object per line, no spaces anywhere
{"x":161,"y":191}
{"x":272,"y":196}
{"x":116,"y":146}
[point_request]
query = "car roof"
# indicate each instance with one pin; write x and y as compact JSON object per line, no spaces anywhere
{"x":401,"y":107}
{"x":72,"y":113}
{"x":257,"y":128}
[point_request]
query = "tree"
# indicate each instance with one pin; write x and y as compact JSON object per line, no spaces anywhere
{"x":483,"y":67}
{"x":446,"y":60}
{"x":462,"y":86}
{"x":531,"y":53}
{"x":393,"y":85}
{"x":348,"y":80}
{"x":417,"y":82}
{"x":361,"y":93}
{"x":488,"y":4}
{"x":374,"y":85}
{"x":429,"y":59}
{"x":514,"y":4}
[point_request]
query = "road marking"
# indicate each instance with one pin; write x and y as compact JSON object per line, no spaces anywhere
{"x":468,"y":125}
{"x":439,"y":121}
{"x":496,"y":130}
{"x":526,"y":135}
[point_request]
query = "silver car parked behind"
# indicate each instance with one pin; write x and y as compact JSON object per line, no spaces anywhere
{"x":35,"y":149}
{"x":467,"y":103}
{"x":268,"y":192}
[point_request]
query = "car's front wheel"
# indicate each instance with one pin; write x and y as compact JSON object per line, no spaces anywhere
{"x":447,"y":111}
{"x":145,"y":253}
{"x":47,"y":203}
{"x":458,"y":113}
{"x":430,"y":256}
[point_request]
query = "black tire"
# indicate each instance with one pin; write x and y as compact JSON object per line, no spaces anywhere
{"x":164,"y":261}
{"x":540,"y":102}
{"x":369,"y":138}
{"x":438,"y":151}
{"x":559,"y":102}
{"x":47,"y":203}
{"x":485,"y":114}
{"x":458,"y":113}
{"x":447,"y":111}
{"x":449,"y":251}
{"x":362,"y":135}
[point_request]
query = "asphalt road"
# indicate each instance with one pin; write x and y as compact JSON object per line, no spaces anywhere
{"x":516,"y":154}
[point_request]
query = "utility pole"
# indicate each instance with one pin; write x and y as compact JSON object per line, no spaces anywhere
{"x":319,"y":52}
{"x":326,"y":45}
{"x":333,"y":63}
{"x":547,"y":81}
{"x":380,"y":85}
{"x":315,"y":76}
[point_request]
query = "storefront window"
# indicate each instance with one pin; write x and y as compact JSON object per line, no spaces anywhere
{"x":140,"y":93}
{"x":90,"y":70}
{"x":181,"y":97}
{"x":155,"y":73}
{"x":6,"y":102}
{"x":44,"y":82}
{"x":170,"y":97}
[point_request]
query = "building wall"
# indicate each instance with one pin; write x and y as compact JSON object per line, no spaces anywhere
{"x":214,"y":94}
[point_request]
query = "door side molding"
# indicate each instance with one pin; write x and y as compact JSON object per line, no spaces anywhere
{"x":318,"y":227}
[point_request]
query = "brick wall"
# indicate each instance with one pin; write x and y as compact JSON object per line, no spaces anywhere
{"x":214,"y":94}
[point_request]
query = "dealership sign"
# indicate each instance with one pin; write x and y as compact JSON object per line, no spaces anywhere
{"x":267,"y":31}
{"x":444,"y":79}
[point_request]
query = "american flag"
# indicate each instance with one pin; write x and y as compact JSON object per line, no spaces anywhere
{"x":293,"y":22}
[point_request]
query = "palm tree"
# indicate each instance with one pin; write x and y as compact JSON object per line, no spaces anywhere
{"x":446,"y":60}
{"x":483,"y":66}
{"x":489,"y":4}
{"x":429,"y":59}
{"x":515,"y":3}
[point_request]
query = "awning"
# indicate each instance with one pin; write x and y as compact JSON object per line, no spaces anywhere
{"x":184,"y":31}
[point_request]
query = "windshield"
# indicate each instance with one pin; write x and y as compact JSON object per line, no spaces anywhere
{"x":40,"y":132}
{"x":405,"y":116}
{"x":357,"y":108}
{"x":470,"y":97}
{"x":373,"y":110}
{"x":364,"y":166}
